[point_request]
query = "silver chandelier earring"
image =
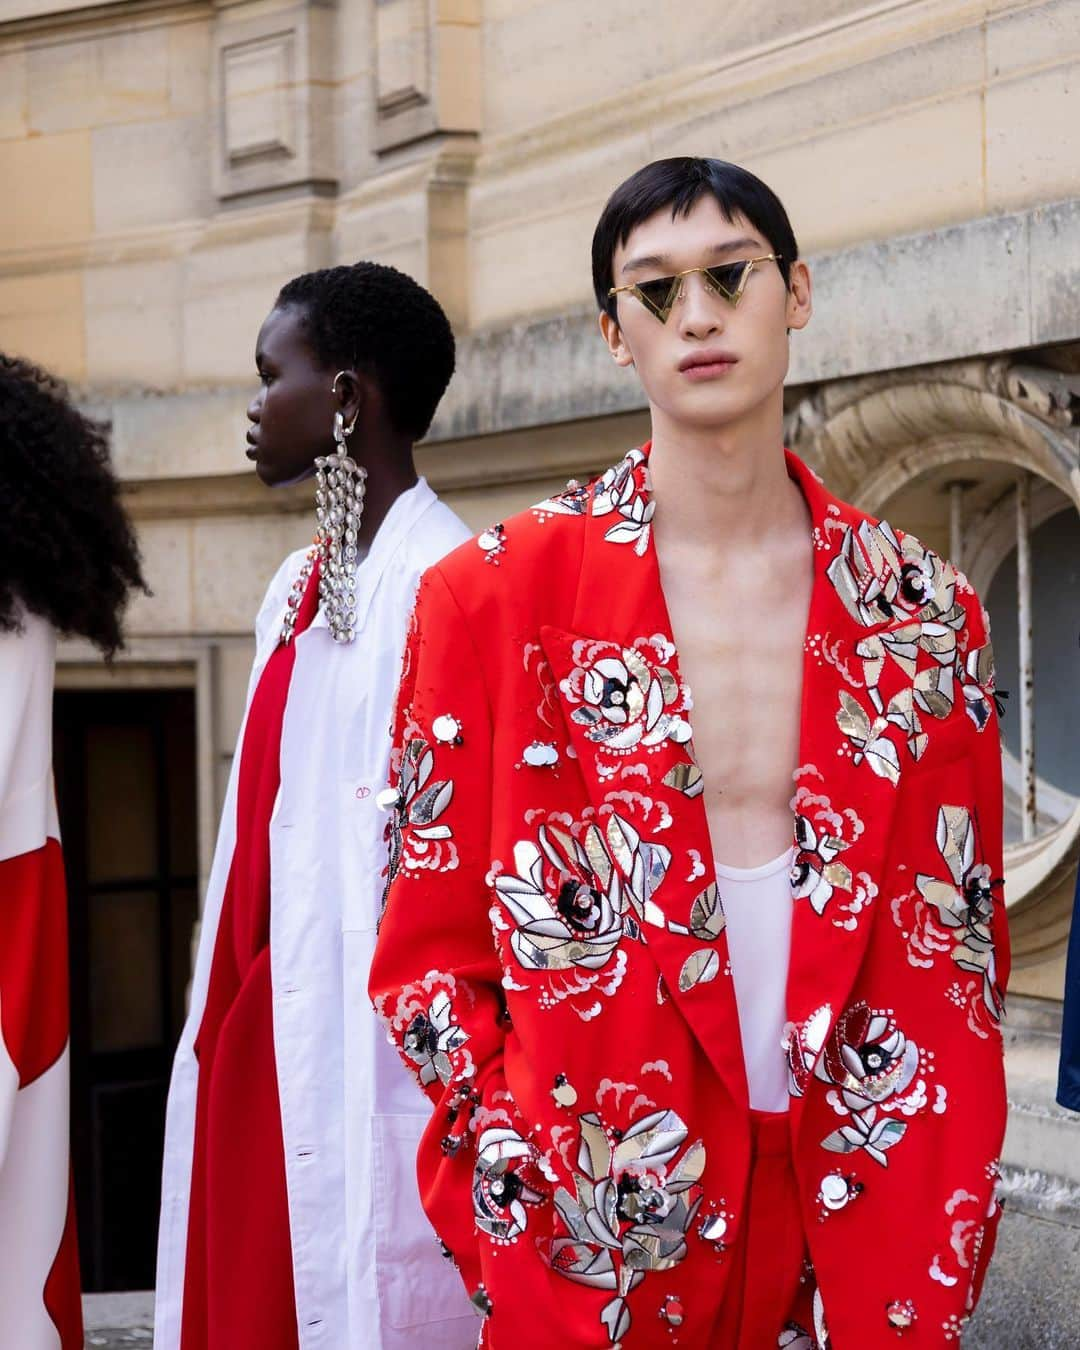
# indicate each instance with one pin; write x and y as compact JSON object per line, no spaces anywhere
{"x":340,"y":484}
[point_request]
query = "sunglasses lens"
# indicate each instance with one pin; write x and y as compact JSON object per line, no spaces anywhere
{"x":657,"y":294}
{"x":728,"y":277}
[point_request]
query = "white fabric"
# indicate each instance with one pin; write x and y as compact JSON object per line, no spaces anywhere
{"x":27,"y":799}
{"x":33,"y":1119}
{"x":33,"y":1199}
{"x":350,"y":1114}
{"x":758,"y":908}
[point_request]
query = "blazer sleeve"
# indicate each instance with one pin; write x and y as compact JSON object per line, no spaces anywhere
{"x":435,"y":976}
{"x":979,"y":696}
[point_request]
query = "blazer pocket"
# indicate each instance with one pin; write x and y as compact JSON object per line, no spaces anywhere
{"x":417,"y":1285}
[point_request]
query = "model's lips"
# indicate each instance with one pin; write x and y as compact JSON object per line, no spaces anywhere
{"x":707,"y":362}
{"x":253,"y":444}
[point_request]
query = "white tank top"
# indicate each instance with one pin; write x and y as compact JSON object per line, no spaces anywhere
{"x":758,"y":908}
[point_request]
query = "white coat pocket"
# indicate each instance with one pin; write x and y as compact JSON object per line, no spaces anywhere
{"x":417,"y":1284}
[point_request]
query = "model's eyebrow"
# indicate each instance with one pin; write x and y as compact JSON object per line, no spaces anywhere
{"x":716,"y":251}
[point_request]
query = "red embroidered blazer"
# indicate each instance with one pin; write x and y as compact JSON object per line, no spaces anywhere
{"x":553,"y":963}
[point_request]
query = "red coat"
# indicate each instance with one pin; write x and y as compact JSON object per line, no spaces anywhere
{"x":553,"y":963}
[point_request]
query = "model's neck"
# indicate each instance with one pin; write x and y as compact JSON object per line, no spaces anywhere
{"x":388,"y":477}
{"x":727,"y":486}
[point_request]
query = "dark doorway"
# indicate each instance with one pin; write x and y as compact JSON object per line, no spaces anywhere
{"x":126,"y":791}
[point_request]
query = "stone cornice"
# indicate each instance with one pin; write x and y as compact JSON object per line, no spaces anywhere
{"x":64,"y":20}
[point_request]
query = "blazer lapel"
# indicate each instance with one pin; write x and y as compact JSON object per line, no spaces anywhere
{"x":621,"y":694}
{"x":850,"y":759}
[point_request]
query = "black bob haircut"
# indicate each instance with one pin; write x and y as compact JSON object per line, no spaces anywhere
{"x":67,"y":548}
{"x":679,"y":184}
{"x":376,"y":319}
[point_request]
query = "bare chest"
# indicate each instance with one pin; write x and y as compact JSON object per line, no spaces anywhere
{"x":741,"y":654}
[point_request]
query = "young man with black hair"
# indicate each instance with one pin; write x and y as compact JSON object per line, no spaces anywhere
{"x":288,"y":1219}
{"x":706,"y":991}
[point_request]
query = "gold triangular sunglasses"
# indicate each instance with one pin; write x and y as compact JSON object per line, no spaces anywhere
{"x":726,"y":279}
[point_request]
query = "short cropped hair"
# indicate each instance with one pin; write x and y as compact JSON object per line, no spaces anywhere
{"x":373,"y":318}
{"x":678,"y":184}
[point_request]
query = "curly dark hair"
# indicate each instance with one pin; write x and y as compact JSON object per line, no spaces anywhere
{"x":67,"y":549}
{"x":377,"y":319}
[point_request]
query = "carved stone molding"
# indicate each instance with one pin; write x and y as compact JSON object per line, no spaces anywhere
{"x":894,"y":428}
{"x":275,"y":127}
{"x":427,"y":70}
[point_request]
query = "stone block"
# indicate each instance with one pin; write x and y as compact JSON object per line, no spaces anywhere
{"x":62,"y":86}
{"x":13,"y":120}
{"x":87,"y":82}
{"x":133,"y":328}
{"x":190,"y":67}
{"x":233,"y":561}
{"x":134,"y":74}
{"x":195,"y":434}
{"x":151,"y":173}
{"x":1041,"y":35}
{"x":794,"y":99}
{"x":459,"y":57}
{"x":390,"y":230}
{"x":231,"y":282}
{"x":41,"y":317}
{"x":356,"y":94}
{"x":167,"y":565}
{"x":530,"y":237}
{"x":47,"y":198}
{"x":913,"y":168}
{"x":915,"y":300}
{"x":544,"y":61}
{"x":1031,"y":138}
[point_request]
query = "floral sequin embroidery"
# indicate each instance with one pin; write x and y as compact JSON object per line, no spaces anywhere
{"x":872,"y":1066}
{"x":626,"y":697}
{"x":964,"y":905}
{"x":633,"y":1203}
{"x":573,"y":899}
{"x":626,"y":492}
{"x":424,"y":1024}
{"x":908,"y":588}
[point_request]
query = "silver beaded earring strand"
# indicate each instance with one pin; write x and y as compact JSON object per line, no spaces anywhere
{"x":339,"y":504}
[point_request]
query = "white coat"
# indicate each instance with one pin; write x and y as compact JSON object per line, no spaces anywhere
{"x":369,"y":1272}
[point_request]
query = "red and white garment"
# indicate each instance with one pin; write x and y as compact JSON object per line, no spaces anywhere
{"x":367,"y":1269}
{"x":39,"y":1265}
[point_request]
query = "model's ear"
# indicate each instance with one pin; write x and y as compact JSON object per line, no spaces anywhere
{"x":616,"y":343}
{"x":350,"y":391}
{"x":800,"y":296}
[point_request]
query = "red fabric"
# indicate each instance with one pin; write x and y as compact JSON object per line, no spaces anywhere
{"x":63,"y":1299}
{"x":34,"y":1012}
{"x":238,"y":1287}
{"x":34,"y":1024}
{"x":553,"y":963}
{"x":769,"y":1287}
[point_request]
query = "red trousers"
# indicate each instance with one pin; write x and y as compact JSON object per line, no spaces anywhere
{"x":770,"y":1287}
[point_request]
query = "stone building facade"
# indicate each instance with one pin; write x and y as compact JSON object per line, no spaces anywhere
{"x":167,"y":164}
